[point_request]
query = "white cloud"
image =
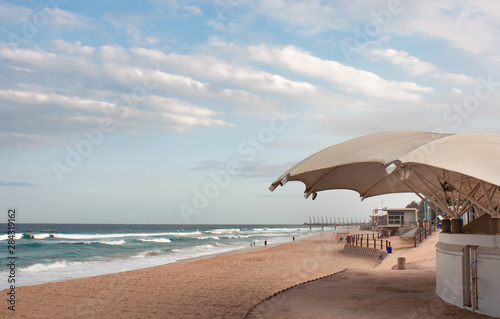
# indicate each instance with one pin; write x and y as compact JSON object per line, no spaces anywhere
{"x":151,"y":40}
{"x":212,"y":68}
{"x":417,"y":67}
{"x":60,"y":18}
{"x":454,"y":77}
{"x":114,"y":65}
{"x":75,"y":48}
{"x":408,"y":62}
{"x":472,"y":26}
{"x":64,"y":114}
{"x":345,"y":77}
{"x":11,"y":13}
{"x":194,"y":10}
{"x":43,"y":16}
{"x":50,"y":61}
{"x":262,"y":84}
{"x":309,"y":16}
{"x":114,"y":53}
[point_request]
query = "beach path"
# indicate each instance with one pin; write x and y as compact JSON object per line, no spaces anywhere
{"x":383,"y":292}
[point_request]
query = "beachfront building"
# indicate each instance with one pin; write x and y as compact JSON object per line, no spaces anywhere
{"x":395,"y":217}
{"x":468,"y":263}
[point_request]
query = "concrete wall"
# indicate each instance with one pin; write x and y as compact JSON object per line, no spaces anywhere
{"x":450,"y":267}
{"x":449,"y":276}
{"x":411,"y":216}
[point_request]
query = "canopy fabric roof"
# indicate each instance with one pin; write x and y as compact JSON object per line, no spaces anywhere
{"x":457,"y":172}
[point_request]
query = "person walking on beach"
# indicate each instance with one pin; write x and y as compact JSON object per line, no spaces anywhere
{"x":265,"y":242}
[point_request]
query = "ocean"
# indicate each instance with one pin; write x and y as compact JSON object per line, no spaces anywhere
{"x":57,"y":252}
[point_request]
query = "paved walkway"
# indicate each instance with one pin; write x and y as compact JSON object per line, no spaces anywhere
{"x":377,"y":293}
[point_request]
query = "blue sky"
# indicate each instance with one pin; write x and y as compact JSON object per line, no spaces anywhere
{"x":186,"y":111}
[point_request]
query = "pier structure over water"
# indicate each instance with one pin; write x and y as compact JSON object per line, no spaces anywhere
{"x":322,"y":221}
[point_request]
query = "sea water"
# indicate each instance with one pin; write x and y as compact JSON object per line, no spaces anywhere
{"x":56,"y":252}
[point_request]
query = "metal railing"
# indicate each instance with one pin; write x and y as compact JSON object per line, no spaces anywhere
{"x":365,"y":240}
{"x":422,"y":234}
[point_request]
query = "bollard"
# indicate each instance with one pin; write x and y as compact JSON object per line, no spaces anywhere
{"x":401,"y":263}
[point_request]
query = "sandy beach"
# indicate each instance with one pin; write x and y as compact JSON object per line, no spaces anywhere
{"x":379,"y":293}
{"x":224,"y":286}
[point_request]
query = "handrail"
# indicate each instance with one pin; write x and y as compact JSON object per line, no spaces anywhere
{"x":425,"y":231}
{"x":364,"y":240}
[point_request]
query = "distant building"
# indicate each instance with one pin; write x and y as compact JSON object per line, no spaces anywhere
{"x":395,"y":217}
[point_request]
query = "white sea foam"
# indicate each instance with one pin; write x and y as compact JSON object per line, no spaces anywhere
{"x":224,"y":231}
{"x":46,"y":267}
{"x":17,"y":236}
{"x":148,"y":253}
{"x":156,"y":240}
{"x":102,"y":236}
{"x":113,"y":242}
{"x":208,"y":237}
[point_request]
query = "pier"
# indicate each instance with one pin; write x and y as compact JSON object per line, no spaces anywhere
{"x":323,"y":221}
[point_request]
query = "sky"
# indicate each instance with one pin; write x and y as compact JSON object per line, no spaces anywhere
{"x":185,"y":112}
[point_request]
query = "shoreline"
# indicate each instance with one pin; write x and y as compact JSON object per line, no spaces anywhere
{"x":226,"y":285}
{"x":58,"y":268}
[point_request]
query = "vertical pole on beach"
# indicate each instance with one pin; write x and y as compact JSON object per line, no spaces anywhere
{"x":414,"y":241}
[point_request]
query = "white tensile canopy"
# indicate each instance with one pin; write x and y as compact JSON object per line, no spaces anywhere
{"x":457,"y":172}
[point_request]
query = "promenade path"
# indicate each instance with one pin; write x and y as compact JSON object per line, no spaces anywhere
{"x":382,"y":292}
